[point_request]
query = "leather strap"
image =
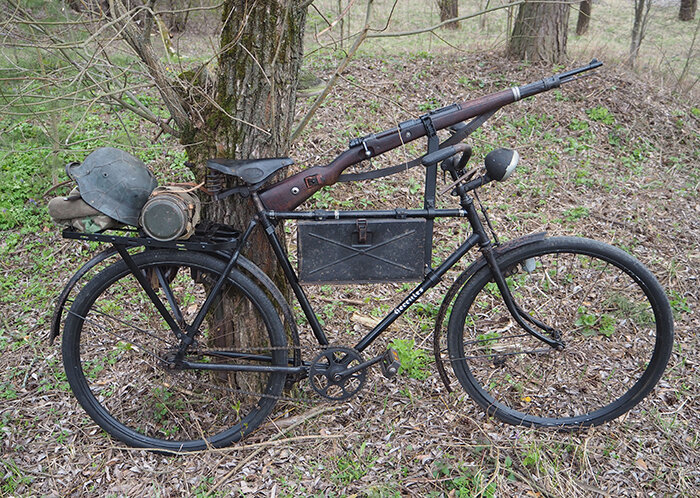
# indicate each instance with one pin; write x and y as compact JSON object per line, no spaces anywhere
{"x":459,"y":135}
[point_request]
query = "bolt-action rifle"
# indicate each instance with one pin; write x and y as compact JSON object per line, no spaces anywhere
{"x":292,"y":191}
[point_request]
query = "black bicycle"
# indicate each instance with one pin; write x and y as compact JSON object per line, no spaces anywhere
{"x":183,"y":345}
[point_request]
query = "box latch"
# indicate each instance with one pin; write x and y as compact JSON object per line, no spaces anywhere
{"x":361,"y":225}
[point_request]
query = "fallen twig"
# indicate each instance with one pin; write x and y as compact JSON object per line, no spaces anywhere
{"x":302,"y":418}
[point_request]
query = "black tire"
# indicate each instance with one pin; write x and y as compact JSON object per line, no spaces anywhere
{"x":614,"y":319}
{"x":115,"y":343}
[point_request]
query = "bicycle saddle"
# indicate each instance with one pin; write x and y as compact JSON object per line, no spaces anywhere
{"x":250,"y":171}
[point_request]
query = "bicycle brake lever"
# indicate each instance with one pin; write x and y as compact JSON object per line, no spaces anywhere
{"x":456,"y":168}
{"x":466,"y":155}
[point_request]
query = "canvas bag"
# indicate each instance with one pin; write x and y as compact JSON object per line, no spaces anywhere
{"x":72,"y":211}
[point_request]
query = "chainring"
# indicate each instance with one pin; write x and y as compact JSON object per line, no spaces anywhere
{"x":328,"y":373}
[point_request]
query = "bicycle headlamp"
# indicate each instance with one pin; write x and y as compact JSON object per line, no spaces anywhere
{"x":500,"y":163}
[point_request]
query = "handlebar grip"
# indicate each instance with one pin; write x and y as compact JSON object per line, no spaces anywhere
{"x":440,"y":155}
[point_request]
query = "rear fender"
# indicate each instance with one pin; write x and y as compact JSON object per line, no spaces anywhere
{"x":459,"y":283}
{"x":65,"y":293}
{"x":278,"y":300}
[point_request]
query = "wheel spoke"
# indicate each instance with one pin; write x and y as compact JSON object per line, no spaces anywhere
{"x":128,"y":378}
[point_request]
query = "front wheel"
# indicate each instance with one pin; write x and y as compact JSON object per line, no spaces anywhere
{"x":121,"y":357}
{"x":609,"y":311}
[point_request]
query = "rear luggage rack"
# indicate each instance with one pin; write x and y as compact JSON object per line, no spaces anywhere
{"x":207,"y":238}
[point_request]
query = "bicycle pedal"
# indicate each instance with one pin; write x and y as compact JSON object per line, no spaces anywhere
{"x":390,"y":363}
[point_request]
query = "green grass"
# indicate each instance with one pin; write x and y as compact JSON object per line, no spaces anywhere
{"x":414,"y":361}
{"x":12,"y":478}
{"x":464,"y":481}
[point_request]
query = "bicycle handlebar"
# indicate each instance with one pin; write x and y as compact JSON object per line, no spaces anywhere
{"x":443,"y":154}
{"x":292,"y":191}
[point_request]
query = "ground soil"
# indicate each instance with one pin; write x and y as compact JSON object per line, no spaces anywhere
{"x":637,"y":178}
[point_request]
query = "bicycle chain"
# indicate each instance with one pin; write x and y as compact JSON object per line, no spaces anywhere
{"x":248,"y":350}
{"x":195,"y":349}
{"x":174,"y":372}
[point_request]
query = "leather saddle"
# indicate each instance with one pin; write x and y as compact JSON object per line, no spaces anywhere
{"x":251,"y":171}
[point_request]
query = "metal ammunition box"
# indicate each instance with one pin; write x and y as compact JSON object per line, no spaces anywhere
{"x":361,"y":250}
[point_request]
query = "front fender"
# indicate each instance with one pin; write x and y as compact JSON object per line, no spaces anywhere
{"x":459,"y":282}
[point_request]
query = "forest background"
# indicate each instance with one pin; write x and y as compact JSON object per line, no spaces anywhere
{"x":613,"y":157}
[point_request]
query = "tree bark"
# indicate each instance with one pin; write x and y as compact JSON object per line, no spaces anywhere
{"x":687,"y":10}
{"x":261,"y":50}
{"x":449,"y":9}
{"x":260,"y":54}
{"x":540,"y":32}
{"x":584,"y":17}
{"x":245,"y":111}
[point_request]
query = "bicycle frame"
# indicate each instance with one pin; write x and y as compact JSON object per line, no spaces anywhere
{"x":278,"y":201}
{"x":142,"y":333}
{"x":478,"y":237}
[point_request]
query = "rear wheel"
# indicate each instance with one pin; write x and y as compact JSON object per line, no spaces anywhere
{"x":611,"y":313}
{"x":120,"y":355}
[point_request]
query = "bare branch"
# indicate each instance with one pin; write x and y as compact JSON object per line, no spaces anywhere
{"x":90,"y":62}
{"x":439,"y":25}
{"x":689,"y":58}
{"x":143,"y":48}
{"x":390,"y":16}
{"x":189,"y":9}
{"x":361,"y":38}
{"x":332,"y":24}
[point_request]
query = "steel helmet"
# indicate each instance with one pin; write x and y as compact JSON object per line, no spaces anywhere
{"x":113,"y":182}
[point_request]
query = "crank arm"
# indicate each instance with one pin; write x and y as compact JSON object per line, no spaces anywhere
{"x":361,"y":366}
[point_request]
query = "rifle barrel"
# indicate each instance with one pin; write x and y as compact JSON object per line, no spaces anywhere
{"x":553,"y":81}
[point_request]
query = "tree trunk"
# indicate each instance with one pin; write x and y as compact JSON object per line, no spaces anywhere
{"x":261,"y":52}
{"x":482,"y":19}
{"x":244,"y":112}
{"x":449,"y":9}
{"x":96,"y":8}
{"x":641,"y":16}
{"x":540,"y":32}
{"x":178,"y":14}
{"x":341,"y":23}
{"x":687,"y":10}
{"x":584,"y":17}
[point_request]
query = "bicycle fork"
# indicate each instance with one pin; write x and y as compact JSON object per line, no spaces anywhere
{"x":486,"y":247}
